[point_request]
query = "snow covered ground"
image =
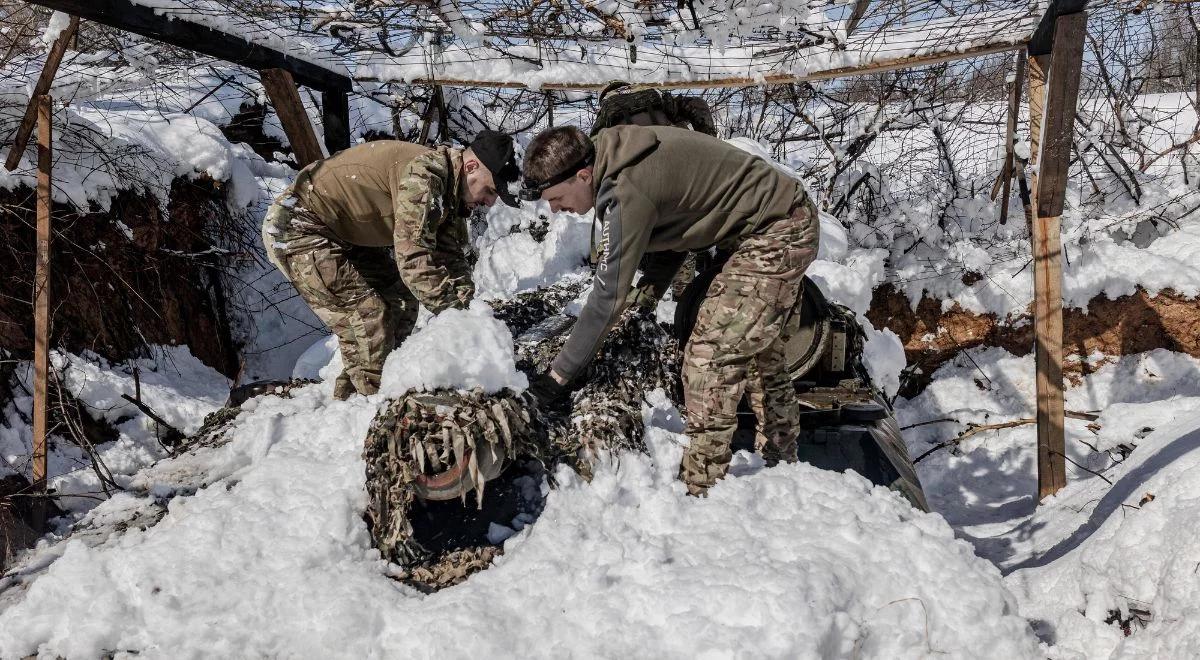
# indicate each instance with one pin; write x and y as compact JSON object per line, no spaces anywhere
{"x":263,"y":552}
{"x":1120,"y":543}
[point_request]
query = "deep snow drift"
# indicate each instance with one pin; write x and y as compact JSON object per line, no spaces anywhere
{"x":1120,"y":543}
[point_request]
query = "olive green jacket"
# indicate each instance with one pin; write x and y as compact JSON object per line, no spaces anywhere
{"x":388,"y":193}
{"x":661,"y":192}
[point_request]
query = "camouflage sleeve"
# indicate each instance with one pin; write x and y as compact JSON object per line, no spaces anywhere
{"x":658,"y":269}
{"x":424,"y":255}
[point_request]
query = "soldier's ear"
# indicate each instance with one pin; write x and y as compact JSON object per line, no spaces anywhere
{"x":470,"y":166}
{"x":585,"y":175}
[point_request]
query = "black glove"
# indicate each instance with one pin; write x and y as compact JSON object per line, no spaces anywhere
{"x":546,"y":390}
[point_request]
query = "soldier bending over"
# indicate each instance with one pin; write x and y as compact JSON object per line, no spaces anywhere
{"x":330,"y":232}
{"x":661,"y":191}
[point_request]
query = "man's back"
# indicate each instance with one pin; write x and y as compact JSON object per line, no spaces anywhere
{"x":352,"y":191}
{"x":698,"y":190}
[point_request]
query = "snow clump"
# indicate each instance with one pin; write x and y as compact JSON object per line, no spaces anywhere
{"x":459,"y":348}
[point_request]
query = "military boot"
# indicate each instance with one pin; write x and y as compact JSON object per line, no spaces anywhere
{"x":342,"y":387}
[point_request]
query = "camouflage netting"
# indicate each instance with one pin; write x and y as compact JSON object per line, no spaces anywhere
{"x":425,"y":437}
{"x":431,"y":433}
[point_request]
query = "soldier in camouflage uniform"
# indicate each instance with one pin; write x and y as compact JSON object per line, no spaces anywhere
{"x":660,"y":192}
{"x":332,"y":233}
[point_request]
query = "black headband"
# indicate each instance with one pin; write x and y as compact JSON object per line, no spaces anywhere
{"x":531,"y":190}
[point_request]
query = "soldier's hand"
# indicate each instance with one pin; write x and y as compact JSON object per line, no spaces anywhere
{"x":642,"y":298}
{"x":547,"y":390}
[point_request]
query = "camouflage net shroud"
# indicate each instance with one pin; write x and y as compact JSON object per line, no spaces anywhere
{"x":427,"y":433}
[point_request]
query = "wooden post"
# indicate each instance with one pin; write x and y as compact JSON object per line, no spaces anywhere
{"x":1014,"y":108}
{"x":285,"y":98}
{"x":42,"y":87}
{"x":1054,"y":143}
{"x":41,"y":310}
{"x":335,"y":109}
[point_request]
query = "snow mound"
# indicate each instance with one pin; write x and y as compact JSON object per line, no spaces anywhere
{"x":1132,"y":544}
{"x":273,"y":560}
{"x":462,"y":349}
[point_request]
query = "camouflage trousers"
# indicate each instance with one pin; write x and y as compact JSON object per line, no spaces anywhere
{"x":738,"y":347}
{"x":356,"y":291}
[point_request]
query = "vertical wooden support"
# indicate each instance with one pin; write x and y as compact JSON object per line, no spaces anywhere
{"x":1054,"y":142}
{"x":42,"y":87}
{"x":285,"y":98}
{"x":1010,"y":135}
{"x":41,"y":310}
{"x":335,"y":110}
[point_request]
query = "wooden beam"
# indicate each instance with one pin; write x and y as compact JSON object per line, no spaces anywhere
{"x":40,"y":88}
{"x":1061,"y":100}
{"x":285,"y":98}
{"x":335,"y":111}
{"x":878,"y":66}
{"x":1042,"y":40}
{"x":139,"y":19}
{"x":1062,"y":94}
{"x":1010,"y":134}
{"x":41,"y":309}
{"x":856,"y":15}
{"x":1038,"y":65}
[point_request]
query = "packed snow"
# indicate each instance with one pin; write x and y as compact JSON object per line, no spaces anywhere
{"x":463,"y":349}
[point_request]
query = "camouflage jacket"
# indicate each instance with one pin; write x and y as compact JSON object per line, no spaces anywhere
{"x":389,"y":193}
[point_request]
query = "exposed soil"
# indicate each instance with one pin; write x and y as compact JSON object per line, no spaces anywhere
{"x":113,"y":294}
{"x":1129,"y":324}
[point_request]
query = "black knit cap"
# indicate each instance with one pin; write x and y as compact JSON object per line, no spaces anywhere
{"x":495,"y":150}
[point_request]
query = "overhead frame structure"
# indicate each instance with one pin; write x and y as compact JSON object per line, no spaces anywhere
{"x":179,"y":32}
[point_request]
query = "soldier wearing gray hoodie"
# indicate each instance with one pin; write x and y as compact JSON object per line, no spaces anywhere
{"x":660,"y":192}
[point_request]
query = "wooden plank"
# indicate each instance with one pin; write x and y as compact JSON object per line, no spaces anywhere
{"x":335,"y":111}
{"x":285,"y":98}
{"x":1010,"y":133}
{"x":1042,"y":40}
{"x":1061,"y":100}
{"x":40,"y":88}
{"x":1047,"y":313}
{"x":143,"y":20}
{"x":1061,"y":96}
{"x":1037,"y":66}
{"x":879,"y":66}
{"x":41,"y":308}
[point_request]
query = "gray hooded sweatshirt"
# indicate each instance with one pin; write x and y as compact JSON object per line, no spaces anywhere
{"x":667,"y":191}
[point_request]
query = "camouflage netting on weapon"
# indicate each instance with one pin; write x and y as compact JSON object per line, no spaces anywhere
{"x":443,"y":440}
{"x":428,"y":443}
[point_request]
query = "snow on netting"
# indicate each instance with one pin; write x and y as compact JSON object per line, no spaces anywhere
{"x":533,"y":43}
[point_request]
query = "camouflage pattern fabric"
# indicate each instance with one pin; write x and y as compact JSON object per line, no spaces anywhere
{"x":737,"y":347}
{"x":356,"y":291}
{"x":426,"y":434}
{"x":431,"y":233}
